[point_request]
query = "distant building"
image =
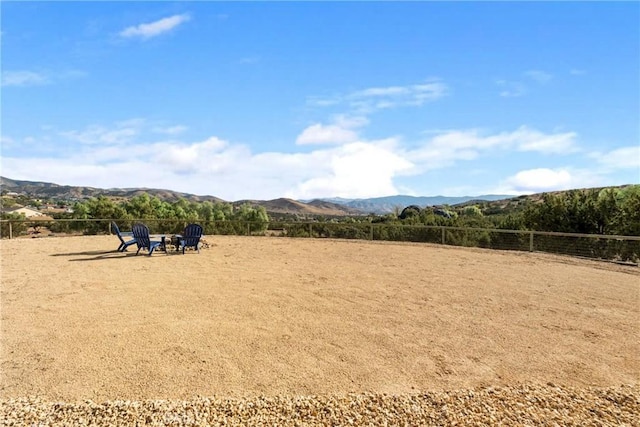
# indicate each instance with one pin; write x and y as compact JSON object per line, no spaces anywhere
{"x":55,"y":209}
{"x":27,"y":212}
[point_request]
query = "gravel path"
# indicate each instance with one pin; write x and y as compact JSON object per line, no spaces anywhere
{"x":547,"y":405}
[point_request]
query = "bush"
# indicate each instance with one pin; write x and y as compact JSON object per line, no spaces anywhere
{"x":18,"y":225}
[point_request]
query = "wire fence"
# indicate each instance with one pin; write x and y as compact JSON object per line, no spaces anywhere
{"x":604,"y":247}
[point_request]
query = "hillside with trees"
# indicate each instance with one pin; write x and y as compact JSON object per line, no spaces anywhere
{"x":169,"y":216}
{"x":607,"y":211}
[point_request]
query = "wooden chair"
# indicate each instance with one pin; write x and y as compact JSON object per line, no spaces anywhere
{"x":190,"y":237}
{"x":143,"y":240}
{"x":123,"y":244}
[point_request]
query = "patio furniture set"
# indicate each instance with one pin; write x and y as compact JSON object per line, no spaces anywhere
{"x":190,"y":238}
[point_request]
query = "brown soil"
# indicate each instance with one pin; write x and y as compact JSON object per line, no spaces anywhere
{"x":268,"y":315}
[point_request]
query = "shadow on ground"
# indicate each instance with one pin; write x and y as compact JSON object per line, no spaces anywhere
{"x":102,"y":255}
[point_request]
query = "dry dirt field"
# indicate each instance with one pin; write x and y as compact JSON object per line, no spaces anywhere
{"x":251,"y":317}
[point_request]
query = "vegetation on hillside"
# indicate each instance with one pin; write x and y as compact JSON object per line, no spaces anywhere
{"x":606,"y":212}
{"x":161,"y":216}
{"x":612,"y":210}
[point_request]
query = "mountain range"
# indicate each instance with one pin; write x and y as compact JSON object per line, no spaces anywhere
{"x":327,"y":206}
{"x":381,"y":205}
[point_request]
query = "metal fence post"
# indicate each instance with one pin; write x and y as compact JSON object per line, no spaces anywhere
{"x":371,"y":232}
{"x":531,"y":241}
{"x":443,"y":235}
{"x":10,"y":231}
{"x":310,"y":230}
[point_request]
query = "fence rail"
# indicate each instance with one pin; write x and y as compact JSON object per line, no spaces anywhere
{"x":605,"y":247}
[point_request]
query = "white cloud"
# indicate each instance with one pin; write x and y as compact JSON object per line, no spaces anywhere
{"x":445,"y":149}
{"x":533,"y":140}
{"x":511,"y":89}
{"x":122,"y":134}
{"x":538,"y":76}
{"x":350,"y":122}
{"x":184,"y":158}
{"x":316,"y":101}
{"x":171,"y":130}
{"x":340,"y":132}
{"x":32,"y":78}
{"x":620,"y":158}
{"x":379,"y":98}
{"x":577,"y":72}
{"x":23,"y":78}
{"x":5,"y":140}
{"x":381,"y":91}
{"x":355,"y":168}
{"x":217,"y":167}
{"x":545,"y":179}
{"x":514,"y":89}
{"x":541,"y":179}
{"x":373,"y":99}
{"x":153,"y":29}
{"x":326,"y":134}
{"x":359,"y":169}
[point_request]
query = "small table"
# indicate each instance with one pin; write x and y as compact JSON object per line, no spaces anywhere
{"x":176,"y":238}
{"x":163,"y":240}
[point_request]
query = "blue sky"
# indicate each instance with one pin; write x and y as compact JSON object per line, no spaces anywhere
{"x":259,"y":100}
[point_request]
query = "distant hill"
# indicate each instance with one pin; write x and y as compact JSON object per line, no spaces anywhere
{"x":518,"y":203}
{"x":491,"y":203}
{"x":383,"y":205}
{"x":329,"y":206}
{"x":289,"y":206}
{"x":47,"y":190}
{"x":67,"y":192}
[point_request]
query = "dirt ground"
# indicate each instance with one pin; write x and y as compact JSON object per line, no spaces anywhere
{"x":272,"y":315}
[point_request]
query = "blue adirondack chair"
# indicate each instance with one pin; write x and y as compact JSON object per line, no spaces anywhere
{"x":123,"y":244}
{"x":141,"y":234}
{"x":190,"y":238}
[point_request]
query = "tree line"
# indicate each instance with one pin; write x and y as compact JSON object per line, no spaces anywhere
{"x":161,"y":215}
{"x":608,"y":211}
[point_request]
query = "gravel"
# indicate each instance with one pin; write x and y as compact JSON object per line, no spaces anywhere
{"x":524,"y":405}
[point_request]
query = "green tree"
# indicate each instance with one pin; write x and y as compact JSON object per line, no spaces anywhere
{"x":626,"y":220}
{"x":549,"y":215}
{"x":104,"y":207}
{"x":140,"y":207}
{"x":254,"y":214}
{"x":100,"y":207}
{"x":471,"y":211}
{"x":7,"y":202}
{"x":18,"y":224}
